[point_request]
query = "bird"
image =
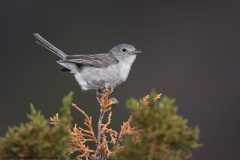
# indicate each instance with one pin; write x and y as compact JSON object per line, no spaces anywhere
{"x":101,"y":72}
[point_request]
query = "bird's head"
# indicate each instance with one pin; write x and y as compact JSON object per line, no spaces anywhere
{"x":123,"y":51}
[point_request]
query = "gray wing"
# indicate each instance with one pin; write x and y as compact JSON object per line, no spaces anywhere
{"x":95,"y":60}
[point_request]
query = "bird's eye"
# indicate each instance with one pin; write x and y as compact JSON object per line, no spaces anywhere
{"x":124,"y":50}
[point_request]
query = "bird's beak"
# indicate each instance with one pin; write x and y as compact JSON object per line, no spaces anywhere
{"x":137,"y":51}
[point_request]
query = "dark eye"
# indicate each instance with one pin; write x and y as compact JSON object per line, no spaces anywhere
{"x":124,"y":50}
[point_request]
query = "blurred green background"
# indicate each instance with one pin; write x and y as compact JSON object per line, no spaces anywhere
{"x":190,"y":52}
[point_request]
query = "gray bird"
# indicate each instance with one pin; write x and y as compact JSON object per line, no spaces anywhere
{"x":97,"y":71}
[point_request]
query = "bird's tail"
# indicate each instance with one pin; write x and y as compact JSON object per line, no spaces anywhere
{"x":43,"y":42}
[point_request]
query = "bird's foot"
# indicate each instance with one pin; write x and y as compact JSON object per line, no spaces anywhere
{"x":115,"y":102}
{"x":100,"y":91}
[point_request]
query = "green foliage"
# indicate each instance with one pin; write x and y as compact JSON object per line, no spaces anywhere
{"x":165,"y":136}
{"x":37,"y":137}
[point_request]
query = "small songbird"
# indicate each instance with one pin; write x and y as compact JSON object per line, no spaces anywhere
{"x":102,"y":71}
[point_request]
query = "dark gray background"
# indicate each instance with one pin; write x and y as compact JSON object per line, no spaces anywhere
{"x":191,"y":52}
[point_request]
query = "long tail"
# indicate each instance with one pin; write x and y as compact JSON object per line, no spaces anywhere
{"x":43,"y":42}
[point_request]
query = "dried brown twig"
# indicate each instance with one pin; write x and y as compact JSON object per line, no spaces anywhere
{"x":103,"y":149}
{"x":127,"y":129}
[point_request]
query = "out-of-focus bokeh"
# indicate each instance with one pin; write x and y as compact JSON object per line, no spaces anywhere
{"x":191,"y":51}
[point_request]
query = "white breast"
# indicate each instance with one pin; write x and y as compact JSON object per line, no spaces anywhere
{"x":125,"y":67}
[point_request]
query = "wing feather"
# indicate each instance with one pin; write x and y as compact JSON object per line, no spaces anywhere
{"x":97,"y":60}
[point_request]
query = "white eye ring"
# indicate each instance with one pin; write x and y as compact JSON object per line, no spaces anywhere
{"x":124,"y":50}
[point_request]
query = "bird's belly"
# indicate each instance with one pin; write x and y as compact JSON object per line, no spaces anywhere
{"x":112,"y":76}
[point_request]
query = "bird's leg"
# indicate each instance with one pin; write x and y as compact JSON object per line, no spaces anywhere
{"x":100,"y":84}
{"x":103,"y":88}
{"x":98,"y":92}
